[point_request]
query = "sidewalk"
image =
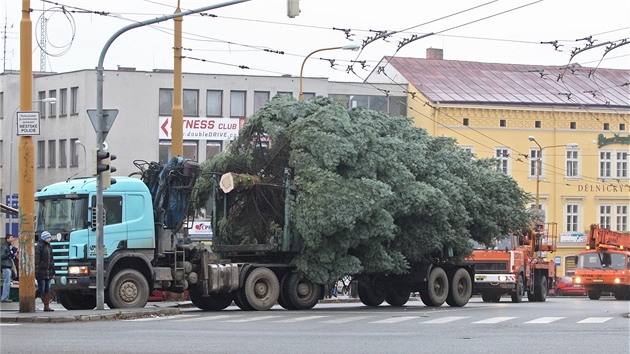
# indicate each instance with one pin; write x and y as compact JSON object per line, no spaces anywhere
{"x":10,"y":312}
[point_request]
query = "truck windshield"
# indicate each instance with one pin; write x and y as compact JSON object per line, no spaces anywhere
{"x":61,"y":214}
{"x":603,"y":260}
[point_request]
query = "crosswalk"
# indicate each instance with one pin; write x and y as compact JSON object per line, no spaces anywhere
{"x":341,"y":319}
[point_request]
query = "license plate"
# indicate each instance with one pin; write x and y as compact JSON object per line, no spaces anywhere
{"x":598,"y":280}
{"x":480,"y":277}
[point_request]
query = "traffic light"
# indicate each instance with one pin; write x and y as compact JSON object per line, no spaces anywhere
{"x":101,"y":161}
{"x":107,"y":174}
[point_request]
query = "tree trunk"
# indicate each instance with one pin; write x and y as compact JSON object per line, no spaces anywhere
{"x":231,"y":181}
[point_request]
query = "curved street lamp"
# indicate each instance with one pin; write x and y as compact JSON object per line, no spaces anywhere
{"x":78,"y":142}
{"x":352,"y":47}
{"x":538,"y":166}
{"x":51,"y":100}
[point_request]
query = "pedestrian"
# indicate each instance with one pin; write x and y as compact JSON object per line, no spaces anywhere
{"x":7,"y":267}
{"x":16,"y":260}
{"x":44,"y":269}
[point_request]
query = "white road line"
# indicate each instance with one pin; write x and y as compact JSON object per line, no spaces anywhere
{"x":396,"y":319}
{"x":300,"y":319}
{"x":208,"y":318}
{"x":495,"y":319}
{"x":9,"y":324}
{"x":347,"y":319}
{"x":595,"y":320}
{"x":446,"y":319}
{"x":252,"y":319}
{"x":545,"y":320}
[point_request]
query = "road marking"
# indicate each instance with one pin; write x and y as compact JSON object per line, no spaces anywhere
{"x":446,"y":319}
{"x":9,"y":324}
{"x":595,"y":320}
{"x":347,"y":319}
{"x":396,"y":319}
{"x":208,"y":318}
{"x":300,"y":319}
{"x":252,"y":319}
{"x":495,"y":320}
{"x":545,"y":320}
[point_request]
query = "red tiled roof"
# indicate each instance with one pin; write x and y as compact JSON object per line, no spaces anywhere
{"x":489,"y":83}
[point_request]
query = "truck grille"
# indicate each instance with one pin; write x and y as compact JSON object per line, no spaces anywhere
{"x":490,"y":267}
{"x":61,"y":255}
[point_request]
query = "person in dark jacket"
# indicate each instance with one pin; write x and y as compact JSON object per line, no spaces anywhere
{"x":44,"y":269}
{"x":7,"y":266}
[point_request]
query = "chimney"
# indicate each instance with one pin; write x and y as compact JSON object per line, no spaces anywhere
{"x":435,"y":53}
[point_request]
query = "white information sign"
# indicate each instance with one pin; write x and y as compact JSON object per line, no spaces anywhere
{"x":28,"y":123}
{"x":572,"y":237}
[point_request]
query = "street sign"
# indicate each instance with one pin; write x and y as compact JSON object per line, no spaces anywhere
{"x":28,"y":123}
{"x":109,"y":116}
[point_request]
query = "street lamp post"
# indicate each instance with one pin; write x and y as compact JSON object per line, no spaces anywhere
{"x":539,"y":165}
{"x":345,"y":47}
{"x":13,"y":133}
{"x":78,"y":142}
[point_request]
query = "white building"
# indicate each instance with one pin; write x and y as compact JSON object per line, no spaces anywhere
{"x":141,"y":130}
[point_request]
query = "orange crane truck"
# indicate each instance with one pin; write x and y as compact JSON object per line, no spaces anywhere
{"x":605,"y":264}
{"x":518,"y":268}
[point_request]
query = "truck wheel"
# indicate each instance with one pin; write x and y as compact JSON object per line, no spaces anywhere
{"x":491,"y":297}
{"x":437,"y":287}
{"x":594,"y":294}
{"x":262,"y":289}
{"x":622,"y":294}
{"x":460,"y":289}
{"x":397,"y":297}
{"x":371,"y":295}
{"x":540,"y":290}
{"x":127,"y":289}
{"x":517,"y":295}
{"x":212,"y":302}
{"x":240,"y":300}
{"x":74,"y":300}
{"x":424,"y":296}
{"x":299,"y":293}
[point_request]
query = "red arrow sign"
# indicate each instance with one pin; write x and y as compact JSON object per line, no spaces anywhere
{"x":164,"y":127}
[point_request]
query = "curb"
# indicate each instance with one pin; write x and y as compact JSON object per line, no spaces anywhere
{"x":109,"y":316}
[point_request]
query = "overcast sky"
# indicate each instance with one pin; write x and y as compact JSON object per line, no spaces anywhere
{"x":252,"y":34}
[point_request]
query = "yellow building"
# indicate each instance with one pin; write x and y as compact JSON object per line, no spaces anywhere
{"x":571,"y":121}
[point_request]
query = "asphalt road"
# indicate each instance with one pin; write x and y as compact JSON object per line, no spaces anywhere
{"x":572,"y":324}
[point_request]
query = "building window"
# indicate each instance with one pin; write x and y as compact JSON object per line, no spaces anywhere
{"x":573,"y":125}
{"x":542,"y":215}
{"x":469,"y":149}
{"x":51,"y":106}
{"x":190,"y":103}
{"x":260,"y":99}
{"x":191,"y":150}
{"x":166,"y":102}
{"x":237,"y":104}
{"x":605,"y":215}
{"x":214,"y":103}
{"x":537,"y":124}
{"x":622,"y":126}
{"x":309,"y":95}
{"x":164,"y":151}
{"x":622,"y":164}
{"x":502,"y":123}
{"x":74,"y":156}
{"x":466,"y":121}
{"x":621,"y":218}
{"x":63,"y":158}
{"x":606,"y":126}
{"x":359,"y":101}
{"x":572,"y":164}
{"x":165,"y":148}
{"x":572,"y":218}
{"x":74,"y":100}
{"x":503,"y":159}
{"x":2,"y":153}
{"x":397,"y":106}
{"x":41,"y":153}
{"x":605,"y":164}
{"x":41,"y":95}
{"x":63,"y":102}
{"x":285,"y":93}
{"x":1,"y":105}
{"x":212,"y":148}
{"x":535,"y":155}
{"x":52,"y":153}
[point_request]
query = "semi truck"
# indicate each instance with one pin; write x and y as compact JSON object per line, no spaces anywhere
{"x":605,"y":264}
{"x":517,"y":266}
{"x":146,"y":248}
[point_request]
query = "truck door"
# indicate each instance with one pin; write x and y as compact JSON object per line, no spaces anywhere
{"x":114,"y":229}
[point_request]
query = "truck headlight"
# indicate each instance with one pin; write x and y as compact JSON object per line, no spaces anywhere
{"x":617,"y":280}
{"x":577,"y":280}
{"x":502,"y":278}
{"x":78,"y":270}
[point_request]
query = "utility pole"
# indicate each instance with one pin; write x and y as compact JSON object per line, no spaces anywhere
{"x":177,"y":119}
{"x":26,"y":168}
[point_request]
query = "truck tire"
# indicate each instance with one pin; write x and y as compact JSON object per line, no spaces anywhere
{"x":74,"y":300}
{"x":517,"y":295}
{"x":437,"y":287}
{"x":127,"y":289}
{"x":594,"y":294}
{"x":371,"y":296}
{"x":622,"y":294}
{"x":212,"y":302}
{"x":491,"y":297}
{"x":460,"y":289}
{"x":262,"y":289}
{"x":540,"y":289}
{"x":298,"y":293}
{"x":238,"y":296}
{"x":397,"y":298}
